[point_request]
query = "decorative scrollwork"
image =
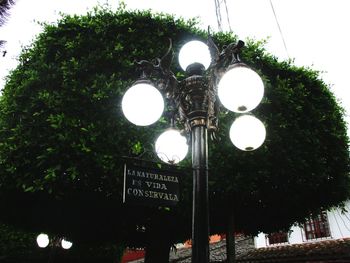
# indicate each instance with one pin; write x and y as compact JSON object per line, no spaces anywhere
{"x":159,"y":70}
{"x":196,"y":96}
{"x":219,"y":65}
{"x":160,"y":73}
{"x":221,"y":61}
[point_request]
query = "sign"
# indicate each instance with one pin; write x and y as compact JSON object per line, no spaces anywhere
{"x":151,"y":187}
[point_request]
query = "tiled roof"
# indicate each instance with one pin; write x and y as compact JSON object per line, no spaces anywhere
{"x":338,"y":249}
{"x":322,"y":251}
{"x":217,"y":251}
{"x":183,"y":255}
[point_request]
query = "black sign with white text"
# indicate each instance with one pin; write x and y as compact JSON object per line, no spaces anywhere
{"x":151,"y":187}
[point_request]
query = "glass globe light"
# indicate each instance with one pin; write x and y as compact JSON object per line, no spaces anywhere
{"x":240,"y":89}
{"x":171,"y":146}
{"x":247,"y":133}
{"x":142,"y":104}
{"x":66,"y":244}
{"x":194,"y":52}
{"x":42,"y":240}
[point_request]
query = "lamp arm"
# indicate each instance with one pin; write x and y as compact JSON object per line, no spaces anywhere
{"x":228,"y":56}
{"x":220,"y":63}
{"x":158,"y":70}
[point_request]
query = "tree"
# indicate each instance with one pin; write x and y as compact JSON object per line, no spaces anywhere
{"x":63,"y":137}
{"x":87,"y":134}
{"x":5,"y":5}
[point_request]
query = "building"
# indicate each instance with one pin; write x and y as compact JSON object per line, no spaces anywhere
{"x":332,"y":227}
{"x":328,"y":225}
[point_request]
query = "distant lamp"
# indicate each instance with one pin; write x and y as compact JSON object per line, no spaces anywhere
{"x":247,"y":133}
{"x":66,"y":244}
{"x":171,"y":146}
{"x":194,"y":52}
{"x":240,"y":89}
{"x":42,"y":240}
{"x":142,"y":104}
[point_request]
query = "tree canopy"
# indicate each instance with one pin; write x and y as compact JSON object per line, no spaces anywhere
{"x":63,"y":136}
{"x":5,"y":5}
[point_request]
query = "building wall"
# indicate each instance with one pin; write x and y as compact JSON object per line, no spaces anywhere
{"x":339,"y":224}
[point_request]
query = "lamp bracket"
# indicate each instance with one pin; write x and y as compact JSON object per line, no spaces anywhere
{"x":158,"y":71}
{"x":193,"y":101}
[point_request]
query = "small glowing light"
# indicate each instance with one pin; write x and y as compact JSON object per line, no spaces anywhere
{"x":171,"y":146}
{"x":194,"y":52}
{"x":247,"y":133}
{"x":240,"y":89}
{"x":42,"y":240}
{"x":142,"y":104}
{"x":66,"y":244}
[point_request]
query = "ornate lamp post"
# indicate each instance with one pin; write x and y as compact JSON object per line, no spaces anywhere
{"x":194,"y":105}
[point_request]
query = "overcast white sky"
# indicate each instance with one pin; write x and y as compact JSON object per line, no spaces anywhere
{"x":316,"y":32}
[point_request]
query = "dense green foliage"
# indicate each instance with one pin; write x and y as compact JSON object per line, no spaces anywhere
{"x":20,"y":246}
{"x":14,"y":243}
{"x":61,"y":113}
{"x":63,"y":135}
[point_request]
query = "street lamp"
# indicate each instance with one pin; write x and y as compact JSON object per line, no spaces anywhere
{"x":247,"y":133}
{"x":240,"y":89}
{"x":43,"y":241}
{"x":194,"y":52}
{"x":193,"y":105}
{"x":171,"y":146}
{"x":66,"y":244}
{"x":138,"y":110}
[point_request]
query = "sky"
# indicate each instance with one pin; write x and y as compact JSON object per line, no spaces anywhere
{"x":315,"y":32}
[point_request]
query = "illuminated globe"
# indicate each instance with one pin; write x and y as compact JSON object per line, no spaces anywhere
{"x":247,"y":133}
{"x":240,"y":89}
{"x":143,"y":104}
{"x":66,"y":244}
{"x":42,"y":240}
{"x":194,"y":52}
{"x":171,"y":146}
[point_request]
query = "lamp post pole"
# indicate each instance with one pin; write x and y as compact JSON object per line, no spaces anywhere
{"x":196,"y":88}
{"x":200,"y":210}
